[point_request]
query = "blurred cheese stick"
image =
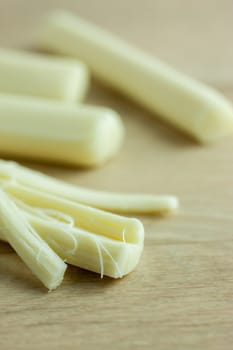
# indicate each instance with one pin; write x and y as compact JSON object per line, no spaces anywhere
{"x":38,"y":256}
{"x":43,"y":76}
{"x":56,"y":132}
{"x":120,"y":203}
{"x":184,"y":102}
{"x":83,"y":236}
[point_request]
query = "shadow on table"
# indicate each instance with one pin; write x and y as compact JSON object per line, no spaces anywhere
{"x":14,"y":272}
{"x":88,"y":282}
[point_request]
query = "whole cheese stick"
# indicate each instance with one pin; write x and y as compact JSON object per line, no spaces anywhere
{"x":37,"y":255}
{"x":187,"y":104}
{"x":100,"y":241}
{"x":115,"y":202}
{"x":43,"y":76}
{"x":56,"y":132}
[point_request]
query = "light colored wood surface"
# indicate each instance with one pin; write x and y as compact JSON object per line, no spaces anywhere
{"x":181,"y":295}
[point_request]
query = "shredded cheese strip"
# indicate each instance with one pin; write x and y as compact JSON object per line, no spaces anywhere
{"x":187,"y":104}
{"x":82,"y":248}
{"x":43,"y":76}
{"x":38,"y":256}
{"x":84,"y":236}
{"x":120,"y":203}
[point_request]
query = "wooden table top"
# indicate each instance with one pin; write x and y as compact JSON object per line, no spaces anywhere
{"x":181,"y":294}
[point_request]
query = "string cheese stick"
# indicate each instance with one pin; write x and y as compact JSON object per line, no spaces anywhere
{"x":187,"y":104}
{"x":120,"y":203}
{"x":37,"y":255}
{"x":85,"y":217}
{"x":102,"y":242}
{"x":56,"y":132}
{"x":95,"y":252}
{"x":43,"y":76}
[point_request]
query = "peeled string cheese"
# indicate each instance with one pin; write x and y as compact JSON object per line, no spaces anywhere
{"x":189,"y":105}
{"x":94,"y":248}
{"x":57,"y":132}
{"x":87,"y":237}
{"x":43,"y":76}
{"x":38,"y":256}
{"x":115,"y":202}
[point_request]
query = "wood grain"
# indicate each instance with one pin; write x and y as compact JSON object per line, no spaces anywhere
{"x":181,"y":295}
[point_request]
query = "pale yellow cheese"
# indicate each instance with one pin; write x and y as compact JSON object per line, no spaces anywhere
{"x":24,"y":73}
{"x":115,"y":202}
{"x":77,"y":135}
{"x":39,"y":257}
{"x":187,"y":104}
{"x":81,"y":235}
